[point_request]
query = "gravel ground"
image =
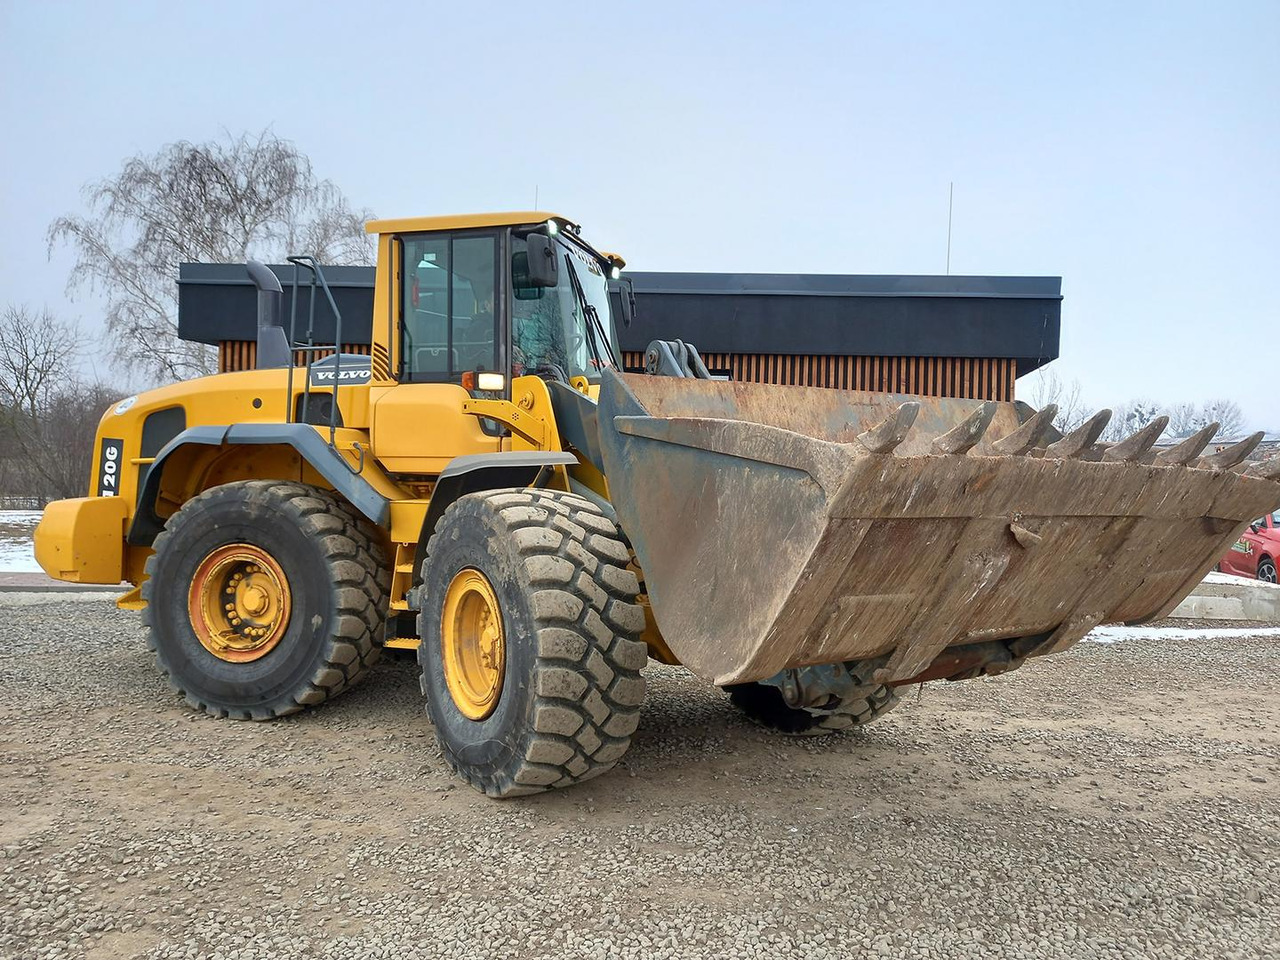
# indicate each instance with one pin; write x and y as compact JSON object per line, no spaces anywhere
{"x":1115,"y":801}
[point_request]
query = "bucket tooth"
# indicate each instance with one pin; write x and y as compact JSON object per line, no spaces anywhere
{"x":1228,"y":457}
{"x":885,"y":436}
{"x":963,"y":438}
{"x":1267,"y":469}
{"x":1135,"y":446}
{"x":1080,"y":440}
{"x":1028,"y":436}
{"x":1188,"y":449}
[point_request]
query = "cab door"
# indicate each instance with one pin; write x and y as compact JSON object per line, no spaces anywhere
{"x":450,"y":299}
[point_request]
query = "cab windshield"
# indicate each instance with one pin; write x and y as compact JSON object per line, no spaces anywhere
{"x":552,"y":330}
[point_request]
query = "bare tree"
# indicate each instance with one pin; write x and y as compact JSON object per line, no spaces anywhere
{"x":1130,"y":417}
{"x":222,"y":201}
{"x":48,"y":415}
{"x":1227,"y":413}
{"x":37,"y":358}
{"x":1184,"y":419}
{"x":1047,"y":387}
{"x":57,"y":449}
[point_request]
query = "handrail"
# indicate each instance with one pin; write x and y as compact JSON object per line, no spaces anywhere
{"x":310,"y":264}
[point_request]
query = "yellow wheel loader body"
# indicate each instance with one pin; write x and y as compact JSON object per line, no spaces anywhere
{"x":809,"y":545}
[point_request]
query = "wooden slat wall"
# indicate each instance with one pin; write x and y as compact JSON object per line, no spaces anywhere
{"x":243,"y":354}
{"x":969,"y":377}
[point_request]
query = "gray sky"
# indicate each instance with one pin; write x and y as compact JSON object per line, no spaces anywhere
{"x":1132,"y":149}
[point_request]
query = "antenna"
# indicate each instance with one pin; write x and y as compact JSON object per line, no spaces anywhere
{"x":535,"y":196}
{"x":951,"y":191}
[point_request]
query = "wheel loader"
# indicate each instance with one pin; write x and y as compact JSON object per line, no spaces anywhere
{"x":488,"y":488}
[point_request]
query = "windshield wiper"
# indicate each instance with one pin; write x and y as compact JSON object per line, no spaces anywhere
{"x":596,"y":332}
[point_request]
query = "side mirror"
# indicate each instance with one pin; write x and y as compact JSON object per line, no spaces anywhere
{"x":627,"y":294}
{"x":521,"y":285}
{"x":543,"y":266}
{"x":1256,"y":526}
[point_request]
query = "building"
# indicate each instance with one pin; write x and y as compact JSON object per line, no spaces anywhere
{"x":937,"y":336}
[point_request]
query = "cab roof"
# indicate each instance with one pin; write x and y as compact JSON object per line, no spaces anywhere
{"x":465,"y":221}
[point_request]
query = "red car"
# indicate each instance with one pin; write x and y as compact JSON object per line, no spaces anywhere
{"x":1256,"y":552}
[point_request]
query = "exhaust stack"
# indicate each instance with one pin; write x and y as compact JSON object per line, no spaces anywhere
{"x":273,"y":348}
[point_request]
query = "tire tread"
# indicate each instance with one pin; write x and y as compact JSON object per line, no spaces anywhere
{"x":359,"y":569}
{"x":587,"y":674}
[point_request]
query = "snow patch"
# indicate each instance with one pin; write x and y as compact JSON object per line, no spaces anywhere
{"x":17,"y":553}
{"x":1215,"y":577}
{"x":1118,"y":633}
{"x":28,"y":518}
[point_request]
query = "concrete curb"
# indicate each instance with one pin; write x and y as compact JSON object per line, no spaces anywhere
{"x":1226,"y":597}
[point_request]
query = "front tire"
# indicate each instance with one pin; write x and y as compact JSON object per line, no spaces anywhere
{"x":1267,"y":570}
{"x":264,"y":597}
{"x":530,"y":651}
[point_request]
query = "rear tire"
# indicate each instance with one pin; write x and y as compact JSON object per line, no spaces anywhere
{"x":1267,"y":570}
{"x":568,"y":689}
{"x":764,"y":703}
{"x":334,"y":575}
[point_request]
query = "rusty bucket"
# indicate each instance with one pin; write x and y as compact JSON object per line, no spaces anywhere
{"x":782,"y":526}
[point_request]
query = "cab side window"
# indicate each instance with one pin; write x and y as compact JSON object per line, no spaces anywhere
{"x":447,"y":305}
{"x":540,"y":319}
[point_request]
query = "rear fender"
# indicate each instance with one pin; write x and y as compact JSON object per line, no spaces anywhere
{"x":198,"y":445}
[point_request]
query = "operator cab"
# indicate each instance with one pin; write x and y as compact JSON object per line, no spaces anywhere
{"x":481,"y":303}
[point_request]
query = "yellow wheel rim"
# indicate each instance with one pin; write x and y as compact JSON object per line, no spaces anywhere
{"x":472,"y":645}
{"x":239,"y":603}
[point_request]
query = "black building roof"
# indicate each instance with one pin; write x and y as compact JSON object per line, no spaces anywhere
{"x":804,"y":314}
